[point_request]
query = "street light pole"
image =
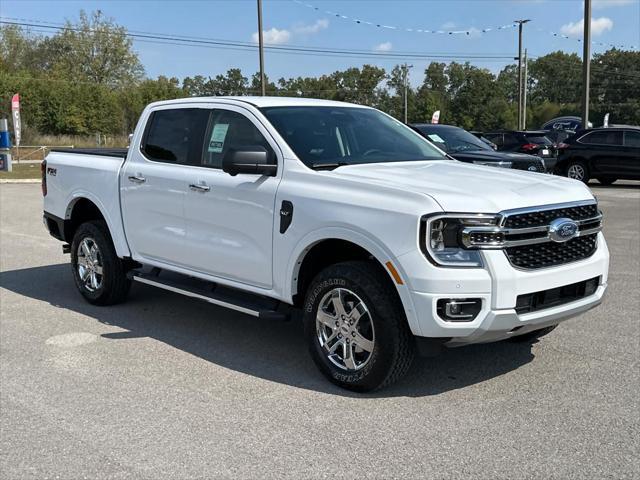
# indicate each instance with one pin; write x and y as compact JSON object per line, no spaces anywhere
{"x":520,"y":24}
{"x":524,"y":93}
{"x":586,"y":63}
{"x":261,"y":48}
{"x":405,"y":69}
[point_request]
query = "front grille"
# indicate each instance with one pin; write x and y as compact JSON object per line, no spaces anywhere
{"x":551,"y":254}
{"x":544,"y":217}
{"x":531,"y":302}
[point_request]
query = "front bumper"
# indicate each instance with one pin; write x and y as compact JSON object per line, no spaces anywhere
{"x":498,"y":285}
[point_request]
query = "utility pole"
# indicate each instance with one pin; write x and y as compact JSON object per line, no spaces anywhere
{"x":525,"y":88}
{"x":586,"y":63}
{"x":520,"y":24}
{"x":405,"y":79}
{"x":261,"y":48}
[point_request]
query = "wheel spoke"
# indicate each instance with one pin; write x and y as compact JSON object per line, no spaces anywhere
{"x":84,"y":274}
{"x":357,"y":312}
{"x":335,"y":346}
{"x":347,"y":356}
{"x":98,"y":269}
{"x":94,"y":281}
{"x":324,"y":318}
{"x":336,"y":299}
{"x":363,"y":343}
{"x":85,"y":249}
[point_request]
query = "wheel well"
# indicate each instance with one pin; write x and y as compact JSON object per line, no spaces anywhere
{"x":83,"y":210}
{"x":323,"y":254}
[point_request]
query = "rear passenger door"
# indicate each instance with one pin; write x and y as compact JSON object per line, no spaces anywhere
{"x":230,"y":219}
{"x":154,"y":183}
{"x":631,"y":162}
{"x":604,"y":148}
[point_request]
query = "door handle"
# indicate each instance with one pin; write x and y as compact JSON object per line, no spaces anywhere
{"x":196,"y":187}
{"x":137,"y":178}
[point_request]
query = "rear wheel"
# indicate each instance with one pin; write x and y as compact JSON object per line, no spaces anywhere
{"x":99,"y":274}
{"x":534,"y":335}
{"x":355,"y":327}
{"x":578,"y":170}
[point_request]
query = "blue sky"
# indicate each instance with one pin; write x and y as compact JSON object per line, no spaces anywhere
{"x":290,"y":23}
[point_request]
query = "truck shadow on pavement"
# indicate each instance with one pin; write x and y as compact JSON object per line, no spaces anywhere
{"x":271,"y":350}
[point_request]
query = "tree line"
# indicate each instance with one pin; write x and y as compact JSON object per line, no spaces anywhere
{"x":87,"y":79}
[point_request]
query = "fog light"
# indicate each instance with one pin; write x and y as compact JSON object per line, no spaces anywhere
{"x":459,"y":309}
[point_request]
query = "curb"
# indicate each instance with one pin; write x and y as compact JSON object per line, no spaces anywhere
{"x":20,"y":180}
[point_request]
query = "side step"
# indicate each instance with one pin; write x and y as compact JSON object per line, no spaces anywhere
{"x":257,"y":306}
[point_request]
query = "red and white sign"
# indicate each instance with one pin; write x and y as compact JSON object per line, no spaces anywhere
{"x":436,"y":117}
{"x":15,"y":113}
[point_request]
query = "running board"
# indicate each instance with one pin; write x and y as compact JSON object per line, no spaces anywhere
{"x":260,"y":307}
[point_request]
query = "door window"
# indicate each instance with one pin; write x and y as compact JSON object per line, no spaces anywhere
{"x":632,"y":139}
{"x":227,"y":131}
{"x":602,"y":137}
{"x":495,"y":138}
{"x":176,"y":135}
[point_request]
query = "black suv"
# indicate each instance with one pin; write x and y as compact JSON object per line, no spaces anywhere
{"x":466,"y":147}
{"x":531,"y":142}
{"x":607,"y":154}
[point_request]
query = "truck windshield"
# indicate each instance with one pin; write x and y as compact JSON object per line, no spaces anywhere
{"x":328,"y":137}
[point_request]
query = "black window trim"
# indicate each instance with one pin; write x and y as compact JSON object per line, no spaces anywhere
{"x":579,"y":140}
{"x":210,"y":106}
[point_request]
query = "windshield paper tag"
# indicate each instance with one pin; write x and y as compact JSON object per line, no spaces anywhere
{"x":436,"y":138}
{"x":218,"y":135}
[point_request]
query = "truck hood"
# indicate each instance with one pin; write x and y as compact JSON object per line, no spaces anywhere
{"x":461,"y":187}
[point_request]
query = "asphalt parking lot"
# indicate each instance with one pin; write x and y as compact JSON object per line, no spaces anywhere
{"x":167,"y":387}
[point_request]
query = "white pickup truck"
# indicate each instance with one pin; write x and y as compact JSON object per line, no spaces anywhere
{"x":272,"y":206}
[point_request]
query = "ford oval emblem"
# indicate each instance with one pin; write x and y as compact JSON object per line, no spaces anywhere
{"x":563,"y":230}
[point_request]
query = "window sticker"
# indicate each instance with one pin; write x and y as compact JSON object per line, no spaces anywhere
{"x":219,"y":133}
{"x":436,"y":138}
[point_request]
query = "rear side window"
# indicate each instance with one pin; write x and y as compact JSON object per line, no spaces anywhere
{"x":602,"y":138}
{"x":495,"y":138}
{"x":510,"y":139}
{"x":227,"y":131}
{"x":176,"y":136}
{"x":632,"y":139}
{"x":538,"y":139}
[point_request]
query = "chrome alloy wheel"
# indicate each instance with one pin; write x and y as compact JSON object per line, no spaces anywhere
{"x":345,"y":329}
{"x":576,"y":171}
{"x":89,"y":262}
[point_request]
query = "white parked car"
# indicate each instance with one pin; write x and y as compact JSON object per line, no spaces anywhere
{"x":275,"y":205}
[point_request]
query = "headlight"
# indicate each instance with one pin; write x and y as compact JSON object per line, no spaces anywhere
{"x":443,"y":239}
{"x":488,"y":163}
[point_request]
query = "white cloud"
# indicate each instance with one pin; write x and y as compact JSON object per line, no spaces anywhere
{"x":600,"y":4}
{"x":448,"y":26}
{"x":303,"y":29}
{"x":598,"y":27}
{"x":273,"y":36}
{"x":383,"y":47}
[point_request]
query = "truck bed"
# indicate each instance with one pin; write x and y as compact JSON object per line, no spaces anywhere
{"x":104,"y":152}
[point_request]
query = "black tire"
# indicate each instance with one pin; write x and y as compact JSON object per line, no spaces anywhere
{"x":534,"y":335}
{"x":578,"y":170}
{"x":607,"y":181}
{"x":114,"y":284}
{"x":393,"y":346}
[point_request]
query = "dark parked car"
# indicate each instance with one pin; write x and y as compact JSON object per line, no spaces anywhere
{"x":481,"y":136}
{"x":607,"y":154}
{"x":531,"y":142}
{"x":466,"y":147}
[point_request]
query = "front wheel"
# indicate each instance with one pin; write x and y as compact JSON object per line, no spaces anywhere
{"x":99,"y":274}
{"x":355,"y":327}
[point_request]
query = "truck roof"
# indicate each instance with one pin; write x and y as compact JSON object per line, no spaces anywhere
{"x":261,"y":102}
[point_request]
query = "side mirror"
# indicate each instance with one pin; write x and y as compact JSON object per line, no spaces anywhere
{"x":251,"y":160}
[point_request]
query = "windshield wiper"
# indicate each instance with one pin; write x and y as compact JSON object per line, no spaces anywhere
{"x":327,"y":166}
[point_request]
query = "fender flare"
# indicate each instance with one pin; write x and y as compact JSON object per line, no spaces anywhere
{"x":115,"y":228}
{"x":373,"y":246}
